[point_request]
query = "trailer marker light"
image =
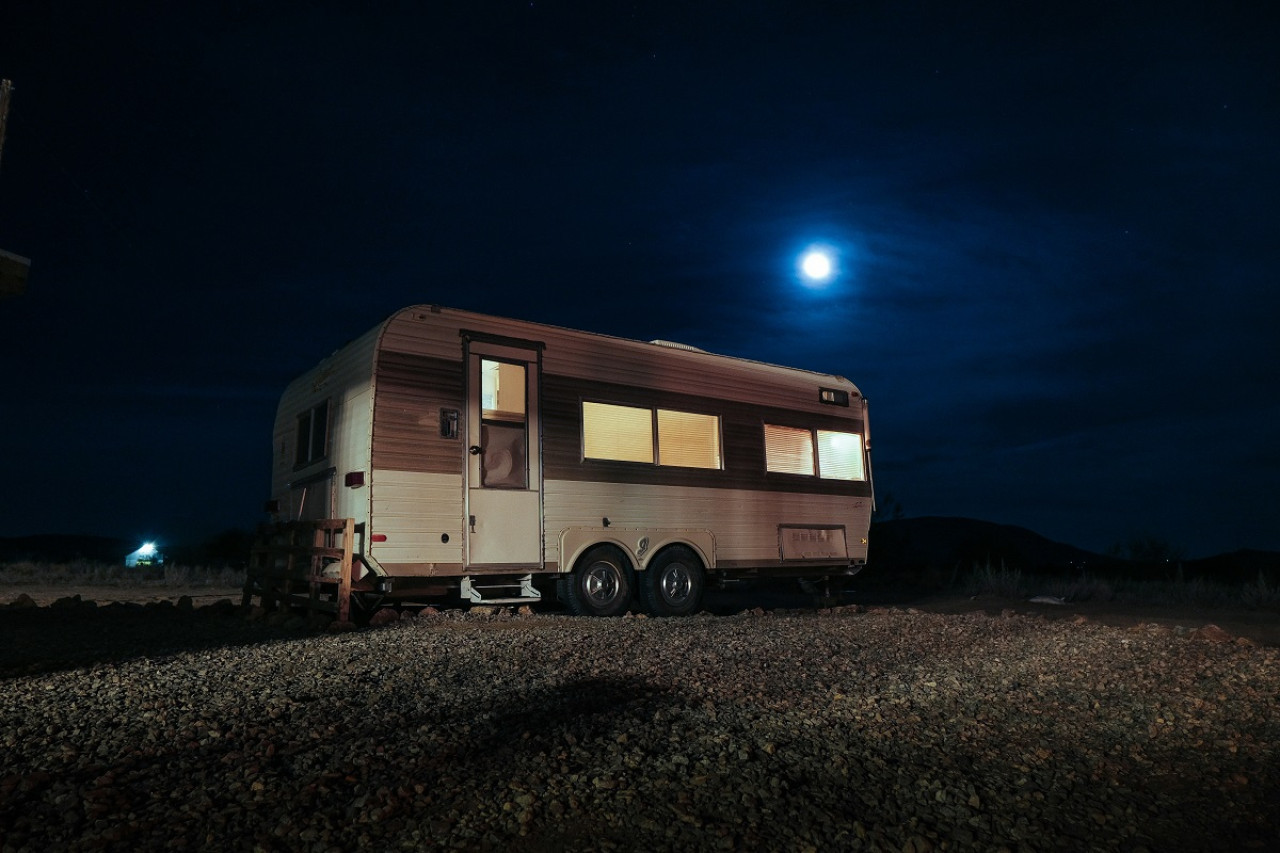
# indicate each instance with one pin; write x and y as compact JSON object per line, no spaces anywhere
{"x":378,"y":537}
{"x":833,"y":396}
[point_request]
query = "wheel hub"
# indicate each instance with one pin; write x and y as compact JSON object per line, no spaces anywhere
{"x":601,"y":582}
{"x":676,"y":583}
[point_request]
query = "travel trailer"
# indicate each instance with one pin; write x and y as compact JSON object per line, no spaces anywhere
{"x":460,"y":454}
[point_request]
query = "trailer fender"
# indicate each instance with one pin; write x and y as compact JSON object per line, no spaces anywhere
{"x":639,"y":544}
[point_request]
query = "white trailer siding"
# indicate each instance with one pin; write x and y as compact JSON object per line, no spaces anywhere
{"x":417,"y":512}
{"x":343,"y":382}
{"x":744,"y":523}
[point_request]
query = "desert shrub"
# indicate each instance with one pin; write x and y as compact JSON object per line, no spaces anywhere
{"x":21,"y":572}
{"x":1260,"y":595}
{"x":986,"y":579}
{"x":203,"y":576}
{"x":1083,"y":588}
{"x":57,"y":574}
{"x":1196,"y":592}
{"x":88,"y":573}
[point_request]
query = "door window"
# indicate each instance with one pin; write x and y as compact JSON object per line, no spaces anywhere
{"x":503,"y":425}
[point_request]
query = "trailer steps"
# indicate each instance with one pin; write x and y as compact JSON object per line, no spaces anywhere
{"x":513,"y":590}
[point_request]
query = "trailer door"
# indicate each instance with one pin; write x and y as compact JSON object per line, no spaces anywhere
{"x":504,"y":465}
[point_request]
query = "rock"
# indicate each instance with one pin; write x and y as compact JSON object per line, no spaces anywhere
{"x":23,"y":601}
{"x":69,"y":602}
{"x":384,"y":616}
{"x":185,"y":604}
{"x":1211,"y":633}
{"x":221,"y":607}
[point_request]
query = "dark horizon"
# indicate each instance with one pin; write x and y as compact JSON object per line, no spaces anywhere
{"x":1053,"y":230}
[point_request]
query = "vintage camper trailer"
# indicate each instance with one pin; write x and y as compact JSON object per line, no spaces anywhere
{"x":499,"y":459}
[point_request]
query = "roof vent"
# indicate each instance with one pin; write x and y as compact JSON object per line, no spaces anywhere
{"x":674,"y":345}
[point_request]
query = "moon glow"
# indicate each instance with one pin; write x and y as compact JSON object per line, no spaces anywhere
{"x":816,"y":265}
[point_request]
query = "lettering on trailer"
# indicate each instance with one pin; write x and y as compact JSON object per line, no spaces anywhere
{"x":812,"y":543}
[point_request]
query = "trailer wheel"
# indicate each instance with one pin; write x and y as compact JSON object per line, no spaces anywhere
{"x":600,"y":584}
{"x":673,"y":583}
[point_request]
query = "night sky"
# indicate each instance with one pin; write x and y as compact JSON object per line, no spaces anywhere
{"x":1056,"y":233}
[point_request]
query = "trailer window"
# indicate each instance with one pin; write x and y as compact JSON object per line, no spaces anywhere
{"x":503,"y":425}
{"x":688,"y":440}
{"x":313,"y":434}
{"x":502,"y":391}
{"x":840,"y":455}
{"x":624,"y":433}
{"x":788,"y":450}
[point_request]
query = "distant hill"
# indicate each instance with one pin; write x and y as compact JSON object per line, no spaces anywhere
{"x":58,"y":548}
{"x":931,"y":549}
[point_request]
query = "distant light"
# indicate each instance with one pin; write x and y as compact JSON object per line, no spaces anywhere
{"x":146,"y":555}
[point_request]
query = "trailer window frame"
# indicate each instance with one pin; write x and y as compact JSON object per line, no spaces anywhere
{"x":716,"y":434}
{"x":499,"y":420}
{"x":821,"y":460}
{"x":311,"y":440}
{"x":654,"y":435}
{"x":591,"y":439}
{"x":789,"y":460}
{"x":850,"y":466}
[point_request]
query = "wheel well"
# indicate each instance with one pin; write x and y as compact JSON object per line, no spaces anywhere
{"x":621,"y":553}
{"x":639,"y":544}
{"x":685,"y":546}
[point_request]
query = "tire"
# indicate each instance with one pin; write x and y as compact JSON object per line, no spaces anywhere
{"x":674,"y":582}
{"x":601,"y":584}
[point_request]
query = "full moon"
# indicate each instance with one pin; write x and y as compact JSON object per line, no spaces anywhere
{"x":816,"y":265}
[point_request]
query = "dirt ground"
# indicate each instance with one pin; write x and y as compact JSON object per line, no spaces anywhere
{"x":1260,"y":626}
{"x":140,"y":594}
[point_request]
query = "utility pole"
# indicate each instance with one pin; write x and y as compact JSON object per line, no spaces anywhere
{"x":13,"y":268}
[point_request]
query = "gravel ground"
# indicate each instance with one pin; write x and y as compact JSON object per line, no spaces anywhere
{"x":130,"y":728}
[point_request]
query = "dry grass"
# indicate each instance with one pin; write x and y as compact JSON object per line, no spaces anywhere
{"x":86,"y":573}
{"x":1005,"y":582}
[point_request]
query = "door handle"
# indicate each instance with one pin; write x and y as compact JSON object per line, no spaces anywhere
{"x":475,"y":450}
